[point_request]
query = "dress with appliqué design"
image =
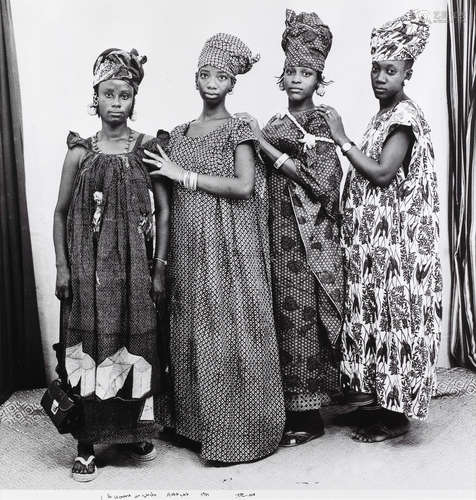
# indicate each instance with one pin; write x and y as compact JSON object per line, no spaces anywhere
{"x":306,"y":260}
{"x":224,"y":354}
{"x":109,"y":329}
{"x":393,"y":295}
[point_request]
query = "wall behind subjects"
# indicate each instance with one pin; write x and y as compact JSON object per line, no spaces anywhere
{"x":58,"y":41}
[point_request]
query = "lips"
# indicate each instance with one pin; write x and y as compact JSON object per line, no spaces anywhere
{"x":379,"y":89}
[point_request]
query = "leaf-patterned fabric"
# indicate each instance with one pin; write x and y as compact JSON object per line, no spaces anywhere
{"x":306,"y":261}
{"x":393,"y":295}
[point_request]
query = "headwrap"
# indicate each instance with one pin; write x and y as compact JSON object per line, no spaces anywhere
{"x":119,"y":64}
{"x":227,"y":53}
{"x":306,"y":40}
{"x":401,"y":39}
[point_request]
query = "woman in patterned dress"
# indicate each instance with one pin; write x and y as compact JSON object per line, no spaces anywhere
{"x":390,"y":236}
{"x":225,"y":363}
{"x":104,"y":238}
{"x":305,"y":237}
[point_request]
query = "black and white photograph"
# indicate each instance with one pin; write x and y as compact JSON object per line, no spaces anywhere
{"x":237,"y":249}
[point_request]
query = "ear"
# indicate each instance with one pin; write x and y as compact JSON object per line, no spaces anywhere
{"x":408,"y":74}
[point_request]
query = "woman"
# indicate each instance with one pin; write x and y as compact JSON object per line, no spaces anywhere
{"x":104,"y":239}
{"x":305,"y":249}
{"x":390,"y":236}
{"x":225,"y":364}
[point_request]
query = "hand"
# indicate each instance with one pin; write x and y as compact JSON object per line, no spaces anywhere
{"x":63,"y":283}
{"x":252,"y":121}
{"x":165,"y":167}
{"x":334,"y":121}
{"x":158,"y":283}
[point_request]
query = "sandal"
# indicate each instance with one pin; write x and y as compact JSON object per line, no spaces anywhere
{"x":142,"y":452}
{"x":89,"y":475}
{"x":379,"y":431}
{"x":295,"y":438}
{"x":357,"y":399}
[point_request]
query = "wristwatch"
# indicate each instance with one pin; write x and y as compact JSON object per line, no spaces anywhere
{"x":346,"y":147}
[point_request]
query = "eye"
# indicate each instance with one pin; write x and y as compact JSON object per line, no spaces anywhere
{"x":288,"y":71}
{"x":108,"y":94}
{"x":126,"y":96}
{"x":223,"y":77}
{"x":203,"y":75}
{"x":306,"y":74}
{"x":374,"y":69}
{"x":391,"y":71}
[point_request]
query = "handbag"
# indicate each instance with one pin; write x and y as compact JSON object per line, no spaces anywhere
{"x":63,"y":409}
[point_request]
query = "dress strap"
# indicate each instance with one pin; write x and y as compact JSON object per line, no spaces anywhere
{"x":138,"y":142}
{"x":309,"y":140}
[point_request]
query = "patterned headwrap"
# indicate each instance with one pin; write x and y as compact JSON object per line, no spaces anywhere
{"x":401,"y":39}
{"x":306,"y":40}
{"x":227,"y":53}
{"x":121,"y":65}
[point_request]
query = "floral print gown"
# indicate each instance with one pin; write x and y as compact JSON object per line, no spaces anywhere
{"x":393,"y":294}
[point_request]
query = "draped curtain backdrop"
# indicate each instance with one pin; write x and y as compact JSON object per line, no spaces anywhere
{"x":21,"y":360}
{"x":461,"y":91}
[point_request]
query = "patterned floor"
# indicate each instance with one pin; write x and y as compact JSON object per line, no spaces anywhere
{"x":34,"y":456}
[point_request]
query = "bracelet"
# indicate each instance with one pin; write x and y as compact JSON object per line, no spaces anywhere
{"x":164,"y":262}
{"x":345,"y":148}
{"x":279,"y":162}
{"x":189,"y":180}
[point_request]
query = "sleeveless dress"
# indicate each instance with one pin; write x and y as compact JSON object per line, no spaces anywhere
{"x":225,"y":364}
{"x":307,"y":261}
{"x":392,"y":320}
{"x":109,"y":328}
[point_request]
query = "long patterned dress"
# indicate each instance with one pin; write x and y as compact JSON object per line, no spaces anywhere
{"x":393,"y":295}
{"x":307,"y":261}
{"x":109,"y":330}
{"x":225,"y":363}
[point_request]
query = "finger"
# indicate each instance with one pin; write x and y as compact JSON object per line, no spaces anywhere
{"x":153,"y":162}
{"x":162,"y":152}
{"x":152,"y":155}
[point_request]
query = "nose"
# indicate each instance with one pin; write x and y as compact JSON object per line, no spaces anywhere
{"x":211,"y":83}
{"x":296,"y":78}
{"x":116,"y":102}
{"x":380,"y":77}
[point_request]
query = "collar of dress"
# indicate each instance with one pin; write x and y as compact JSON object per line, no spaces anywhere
{"x":308,"y":140}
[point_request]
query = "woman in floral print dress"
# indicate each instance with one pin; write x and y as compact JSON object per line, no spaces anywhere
{"x":390,"y":236}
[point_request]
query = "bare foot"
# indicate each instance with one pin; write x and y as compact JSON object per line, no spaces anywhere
{"x":381,"y":430}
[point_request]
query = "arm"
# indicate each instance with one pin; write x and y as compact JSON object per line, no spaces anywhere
{"x":393,"y":154}
{"x":63,"y":274}
{"x":162,"y":210}
{"x":239,"y":187}
{"x":306,"y":172}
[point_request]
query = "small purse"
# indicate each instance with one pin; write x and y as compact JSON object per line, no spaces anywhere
{"x":64,"y":410}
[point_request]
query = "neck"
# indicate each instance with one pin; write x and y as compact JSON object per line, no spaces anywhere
{"x":392,"y":101}
{"x":211,"y":111}
{"x":113,"y":130}
{"x":304,"y":105}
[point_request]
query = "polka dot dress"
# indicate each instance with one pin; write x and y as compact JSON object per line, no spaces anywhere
{"x":225,"y":362}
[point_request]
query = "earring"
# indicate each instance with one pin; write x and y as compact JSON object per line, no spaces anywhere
{"x":93,"y":106}
{"x":320,"y":90}
{"x":231,"y":91}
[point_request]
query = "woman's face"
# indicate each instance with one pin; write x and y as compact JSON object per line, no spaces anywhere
{"x":387,"y":78}
{"x":213,"y":84}
{"x":115,"y":100}
{"x":299,"y":82}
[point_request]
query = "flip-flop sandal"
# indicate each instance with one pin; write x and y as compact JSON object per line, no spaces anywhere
{"x":142,"y":453}
{"x":84,"y":477}
{"x":296,"y":438}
